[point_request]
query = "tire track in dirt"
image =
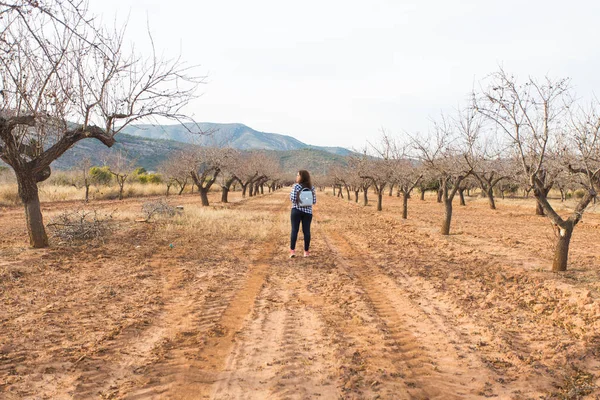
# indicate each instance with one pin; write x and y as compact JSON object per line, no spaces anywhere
{"x":192,"y":364}
{"x":282,"y":351}
{"x":176,"y":351}
{"x":137,"y":349}
{"x":305,"y":339}
{"x":249,"y":370}
{"x":512,"y":354}
{"x":302,"y":373}
{"x":363,"y":368}
{"x":413,"y":340}
{"x":149,"y":359}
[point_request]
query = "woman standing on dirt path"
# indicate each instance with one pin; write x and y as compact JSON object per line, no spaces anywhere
{"x":303,"y":196}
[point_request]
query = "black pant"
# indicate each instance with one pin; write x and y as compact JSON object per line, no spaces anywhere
{"x":297,"y":217}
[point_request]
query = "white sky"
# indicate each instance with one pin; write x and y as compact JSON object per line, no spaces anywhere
{"x":333,"y":72}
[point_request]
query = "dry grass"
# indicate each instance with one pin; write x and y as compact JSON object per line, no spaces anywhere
{"x":130,"y":190}
{"x":8,"y":195}
{"x":224,"y":223}
{"x":51,"y":193}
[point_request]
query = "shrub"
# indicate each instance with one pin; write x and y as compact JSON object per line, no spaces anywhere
{"x":160,"y":207}
{"x":154,"y":178}
{"x":142,"y":176}
{"x":100,"y":175}
{"x":579,"y":193}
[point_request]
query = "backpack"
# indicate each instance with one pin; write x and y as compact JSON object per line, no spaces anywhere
{"x":305,"y":197}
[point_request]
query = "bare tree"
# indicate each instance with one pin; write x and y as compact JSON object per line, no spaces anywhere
{"x":485,"y":159}
{"x":83,"y":168}
{"x":357,"y":164}
{"x":268,"y":168}
{"x":206,"y":165}
{"x":542,"y":123}
{"x":444,"y":153}
{"x":407,"y":173}
{"x":175,"y":172}
{"x":379,"y":169}
{"x":64,"y":80}
{"x":120,"y":166}
{"x":229,"y":174}
{"x":428,"y":182}
{"x":341,"y":178}
{"x":249,"y":170}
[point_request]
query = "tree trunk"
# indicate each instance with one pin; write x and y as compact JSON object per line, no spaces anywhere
{"x":168,"y":189}
{"x":262,"y":189}
{"x":28,"y":192}
{"x":539,"y":210}
{"x":244,"y":187}
{"x":490,"y":196}
{"x":461,"y":196}
{"x":121,"y":186}
{"x":439,"y":195}
{"x":224,"y":193}
{"x":348,"y":192}
{"x":333,"y":190}
{"x":391,"y":190}
{"x":356,"y":196}
{"x":225,"y":189}
{"x":447,"y":217}
{"x":404,"y":205}
{"x":87,"y":192}
{"x":250,"y":190}
{"x":365,"y":197}
{"x":422,"y":194}
{"x":203,"y":196}
{"x":561,"y":253}
{"x":379,"y":200}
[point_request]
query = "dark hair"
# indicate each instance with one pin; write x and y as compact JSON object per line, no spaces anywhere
{"x":305,"y":179}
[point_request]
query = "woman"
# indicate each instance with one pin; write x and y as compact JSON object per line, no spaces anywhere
{"x":301,"y":213}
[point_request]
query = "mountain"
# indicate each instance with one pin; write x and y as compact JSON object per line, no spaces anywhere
{"x":149,"y":153}
{"x":149,"y":145}
{"x":238,"y":136}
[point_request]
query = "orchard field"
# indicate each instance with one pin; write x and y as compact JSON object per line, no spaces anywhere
{"x":207,"y":305}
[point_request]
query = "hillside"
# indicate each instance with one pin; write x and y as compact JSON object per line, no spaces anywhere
{"x":316,"y":161}
{"x":149,"y":153}
{"x":238,"y":136}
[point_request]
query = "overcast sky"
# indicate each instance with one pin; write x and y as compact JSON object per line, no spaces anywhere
{"x":332,"y":72}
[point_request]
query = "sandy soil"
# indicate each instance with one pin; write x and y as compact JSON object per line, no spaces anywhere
{"x":384,"y":308}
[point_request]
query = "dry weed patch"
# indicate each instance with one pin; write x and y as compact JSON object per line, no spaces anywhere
{"x":223,"y":223}
{"x":81,"y":225}
{"x":160,"y":208}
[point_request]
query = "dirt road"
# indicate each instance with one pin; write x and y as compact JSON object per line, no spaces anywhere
{"x":384,"y":308}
